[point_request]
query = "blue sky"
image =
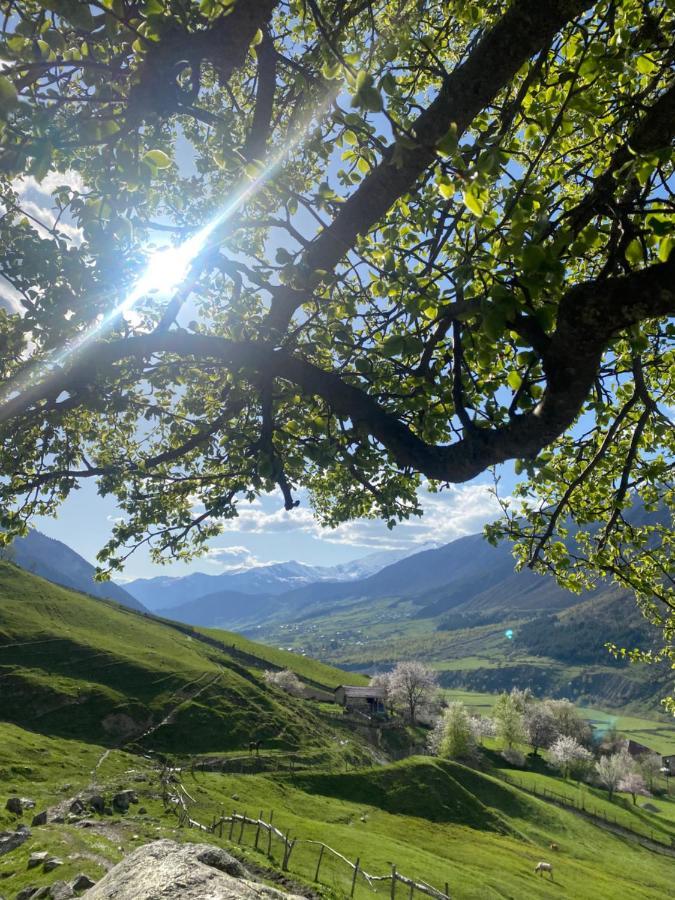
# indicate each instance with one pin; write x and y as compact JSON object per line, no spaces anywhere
{"x":265,"y":532}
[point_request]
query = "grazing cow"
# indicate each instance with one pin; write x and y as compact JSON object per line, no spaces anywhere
{"x":544,"y":867}
{"x":554,"y":846}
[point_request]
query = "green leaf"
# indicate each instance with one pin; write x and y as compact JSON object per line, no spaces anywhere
{"x":514,"y":380}
{"x":8,"y":95}
{"x":157,"y":158}
{"x":634,"y":253}
{"x":666,"y":248}
{"x":474,"y":203}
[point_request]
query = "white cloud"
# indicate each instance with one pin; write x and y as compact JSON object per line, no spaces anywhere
{"x":456,"y":511}
{"x":232,"y":559}
{"x":35,"y":199}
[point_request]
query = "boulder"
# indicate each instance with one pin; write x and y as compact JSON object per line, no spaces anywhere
{"x":27,"y":803}
{"x":61,"y":890}
{"x":27,"y":892}
{"x":40,"y":819}
{"x":96,"y":802}
{"x":15,"y":806}
{"x":82,"y":882}
{"x":52,"y":863}
{"x":77,"y":807}
{"x":122,"y":800}
{"x":10,"y":840}
{"x":178,"y":872}
{"x":36,"y":859}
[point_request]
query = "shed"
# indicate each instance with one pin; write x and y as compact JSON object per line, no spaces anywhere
{"x":368,"y":700}
{"x":668,"y":762}
{"x":635,"y":749}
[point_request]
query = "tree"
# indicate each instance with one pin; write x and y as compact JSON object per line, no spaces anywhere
{"x":487,"y":264}
{"x":633,"y":783}
{"x":286,"y":680}
{"x":508,"y":719}
{"x":411,"y":684}
{"x":612,"y":769}
{"x":649,"y":765}
{"x":568,"y":755}
{"x":457,"y":737}
{"x":569,"y":721}
{"x":482,"y":727}
{"x":540,"y":726}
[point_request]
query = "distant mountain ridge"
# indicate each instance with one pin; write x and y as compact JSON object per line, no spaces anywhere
{"x":57,"y":562}
{"x":166,"y":592}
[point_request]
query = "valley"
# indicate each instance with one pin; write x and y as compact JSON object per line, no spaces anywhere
{"x":99,"y":699}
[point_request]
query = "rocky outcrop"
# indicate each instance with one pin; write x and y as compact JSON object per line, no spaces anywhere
{"x":181,"y":872}
{"x":10,"y":840}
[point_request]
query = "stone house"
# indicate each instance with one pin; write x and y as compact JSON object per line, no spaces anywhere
{"x":366,"y":700}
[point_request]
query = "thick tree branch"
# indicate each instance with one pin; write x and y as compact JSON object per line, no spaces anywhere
{"x":591,"y":314}
{"x":526,"y":28}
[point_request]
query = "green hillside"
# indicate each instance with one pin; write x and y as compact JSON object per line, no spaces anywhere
{"x":89,"y":669}
{"x":89,"y":687}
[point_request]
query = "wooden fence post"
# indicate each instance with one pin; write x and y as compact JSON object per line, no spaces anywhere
{"x":356,"y":872}
{"x":393,"y":882}
{"x":269,"y":834}
{"x":257,"y":831}
{"x":447,"y":889}
{"x":229,"y":837}
{"x":412,"y":889}
{"x":241,"y":830}
{"x":285,"y":859}
{"x":318,"y":865}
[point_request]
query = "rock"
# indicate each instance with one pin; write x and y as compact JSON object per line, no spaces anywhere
{"x":122,"y":800}
{"x":142,"y":811}
{"x":77,"y":807}
{"x":52,"y":863}
{"x":27,"y":893}
{"x":40,"y":819}
{"x":10,"y":840}
{"x":15,"y":806}
{"x":96,"y":802}
{"x":36,"y":859}
{"x":61,"y":890}
{"x":27,"y":803}
{"x":82,"y":882}
{"x":220,"y":859}
{"x":177,"y":872}
{"x":41,"y":893}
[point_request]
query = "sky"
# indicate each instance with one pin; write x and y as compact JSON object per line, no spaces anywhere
{"x":265,"y":532}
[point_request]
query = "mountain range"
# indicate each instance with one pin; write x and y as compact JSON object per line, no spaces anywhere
{"x":59,"y":563}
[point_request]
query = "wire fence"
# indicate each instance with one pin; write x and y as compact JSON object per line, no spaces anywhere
{"x":311,"y":859}
{"x":586,"y":807}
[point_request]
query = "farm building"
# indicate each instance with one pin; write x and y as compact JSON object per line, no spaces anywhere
{"x":668,"y":762}
{"x":635,"y":749}
{"x":367,"y":700}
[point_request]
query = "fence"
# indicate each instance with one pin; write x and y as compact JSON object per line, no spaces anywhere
{"x":327,"y":865}
{"x":594,"y":813}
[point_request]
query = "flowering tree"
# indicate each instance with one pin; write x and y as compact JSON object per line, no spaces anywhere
{"x":568,"y":755}
{"x":649,"y":764}
{"x":612,"y":769}
{"x":541,"y":726}
{"x":482,"y":727}
{"x":633,"y":783}
{"x":411,"y":685}
{"x":285,"y":680}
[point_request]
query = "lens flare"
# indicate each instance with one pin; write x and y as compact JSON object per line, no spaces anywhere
{"x":509,"y":633}
{"x":168,"y":268}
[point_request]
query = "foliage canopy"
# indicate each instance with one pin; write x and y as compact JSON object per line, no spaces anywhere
{"x":440,"y":239}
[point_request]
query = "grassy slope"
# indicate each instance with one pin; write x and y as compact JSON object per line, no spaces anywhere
{"x":439,"y":821}
{"x":77,"y":667}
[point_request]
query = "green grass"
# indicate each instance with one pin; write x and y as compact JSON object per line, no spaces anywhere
{"x":439,"y":822}
{"x":75,"y":667}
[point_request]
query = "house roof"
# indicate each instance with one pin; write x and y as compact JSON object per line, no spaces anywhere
{"x":352,"y":691}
